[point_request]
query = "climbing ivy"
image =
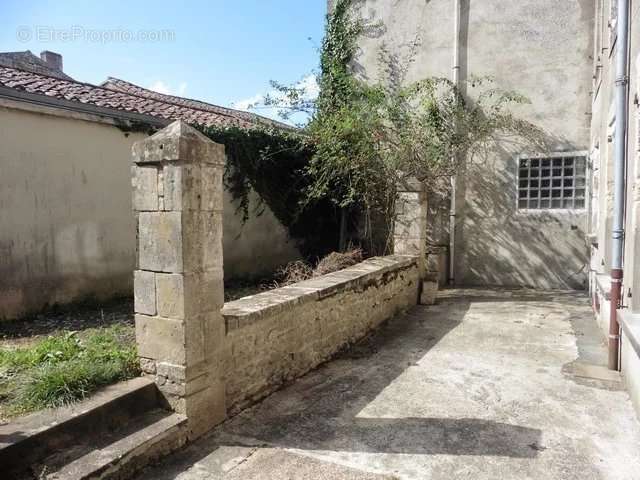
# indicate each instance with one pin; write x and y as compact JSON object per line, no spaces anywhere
{"x":369,"y":138}
{"x":273,"y":163}
{"x":362,"y":140}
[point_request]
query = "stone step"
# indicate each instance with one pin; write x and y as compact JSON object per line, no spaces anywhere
{"x":30,"y":439}
{"x":119,"y":454}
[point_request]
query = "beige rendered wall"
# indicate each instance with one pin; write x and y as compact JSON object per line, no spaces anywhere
{"x":601,"y":216}
{"x":539,"y":48}
{"x":602,"y":146}
{"x":66,"y":221}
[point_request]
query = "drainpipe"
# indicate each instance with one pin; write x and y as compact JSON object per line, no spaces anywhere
{"x":455,"y":78}
{"x":617,"y":246}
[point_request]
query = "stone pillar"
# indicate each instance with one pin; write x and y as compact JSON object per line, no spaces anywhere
{"x":410,"y":230}
{"x":178,"y":281}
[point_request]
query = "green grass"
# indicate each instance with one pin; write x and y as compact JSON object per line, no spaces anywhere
{"x":64,"y":368}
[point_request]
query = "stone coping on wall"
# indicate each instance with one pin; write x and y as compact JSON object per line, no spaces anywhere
{"x":247,"y":310}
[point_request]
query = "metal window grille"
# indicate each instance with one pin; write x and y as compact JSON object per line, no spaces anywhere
{"x":552,"y":182}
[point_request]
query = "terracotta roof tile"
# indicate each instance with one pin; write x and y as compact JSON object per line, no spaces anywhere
{"x":120,"y":95}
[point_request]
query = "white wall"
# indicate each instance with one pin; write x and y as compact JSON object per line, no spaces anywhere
{"x":539,"y":48}
{"x":66,"y":223}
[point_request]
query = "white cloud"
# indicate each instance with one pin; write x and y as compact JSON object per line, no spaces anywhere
{"x":310,"y":84}
{"x":256,"y":102}
{"x":248,"y":103}
{"x":161,"y":87}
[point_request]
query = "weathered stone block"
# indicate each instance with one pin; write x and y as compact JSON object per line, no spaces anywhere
{"x":183,"y":388}
{"x":160,"y":241}
{"x":429,"y":292}
{"x":181,"y":373}
{"x":207,"y":408}
{"x":212,"y":188}
{"x":193,"y":187}
{"x":178,"y":141}
{"x":215,"y":337}
{"x":408,"y":246}
{"x":172,"y":187}
{"x":204,"y":292}
{"x":161,"y":339}
{"x":170,"y":295}
{"x":195,"y":338}
{"x":144,"y":292}
{"x":410,"y":184}
{"x":148,"y":365}
{"x":409,"y":228}
{"x":202,"y":241}
{"x":145,"y":188}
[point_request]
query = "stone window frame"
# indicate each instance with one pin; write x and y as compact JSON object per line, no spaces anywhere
{"x":552,"y":182}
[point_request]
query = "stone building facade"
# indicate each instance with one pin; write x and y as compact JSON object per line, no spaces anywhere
{"x":541,"y":219}
{"x":600,"y":222}
{"x":516,"y":224}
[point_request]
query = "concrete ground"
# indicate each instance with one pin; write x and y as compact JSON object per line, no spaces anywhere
{"x":483,"y":385}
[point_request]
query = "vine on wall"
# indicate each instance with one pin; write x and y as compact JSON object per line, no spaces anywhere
{"x":369,"y":138}
{"x":362,"y":141}
{"x":273,"y":162}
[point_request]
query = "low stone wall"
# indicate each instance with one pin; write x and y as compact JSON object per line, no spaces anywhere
{"x":276,"y":336}
{"x":209,"y":358}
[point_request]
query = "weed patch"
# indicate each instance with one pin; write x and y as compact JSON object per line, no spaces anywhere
{"x":65,"y":367}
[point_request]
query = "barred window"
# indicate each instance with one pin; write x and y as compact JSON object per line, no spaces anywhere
{"x":556,"y":182}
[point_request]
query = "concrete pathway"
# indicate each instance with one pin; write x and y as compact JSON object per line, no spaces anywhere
{"x":484,"y":385}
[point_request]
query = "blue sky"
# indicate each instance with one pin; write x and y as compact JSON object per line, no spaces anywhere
{"x":221,"y":51}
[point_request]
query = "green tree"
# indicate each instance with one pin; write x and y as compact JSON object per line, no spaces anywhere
{"x":368,"y":138}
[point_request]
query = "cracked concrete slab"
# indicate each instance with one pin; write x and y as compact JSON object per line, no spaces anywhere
{"x":479,"y":386}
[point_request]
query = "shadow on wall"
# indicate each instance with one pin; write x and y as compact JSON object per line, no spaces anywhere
{"x":497,"y":244}
{"x":325,"y":409}
{"x":71,"y":264}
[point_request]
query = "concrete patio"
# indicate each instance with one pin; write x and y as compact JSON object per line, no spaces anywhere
{"x":483,"y":385}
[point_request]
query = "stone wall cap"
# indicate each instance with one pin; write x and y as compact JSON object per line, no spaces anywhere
{"x":178,"y":142}
{"x":250,"y":309}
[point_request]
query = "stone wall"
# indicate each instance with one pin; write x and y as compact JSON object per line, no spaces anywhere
{"x":208,"y":359}
{"x":178,"y":282}
{"x":276,"y":336}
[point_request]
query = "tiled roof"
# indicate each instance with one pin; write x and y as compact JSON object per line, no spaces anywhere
{"x":127,"y":87}
{"x":28,"y":61}
{"x":120,"y":95}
